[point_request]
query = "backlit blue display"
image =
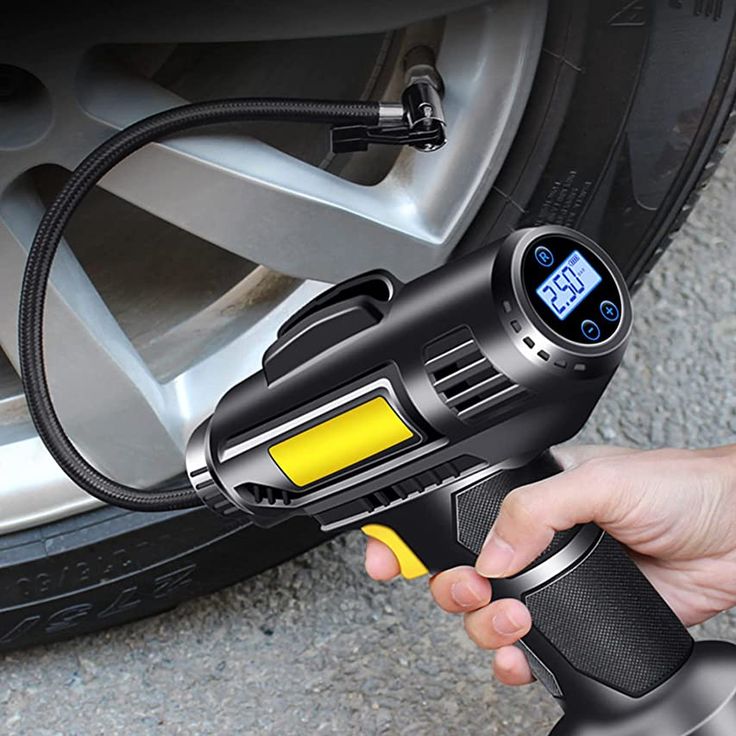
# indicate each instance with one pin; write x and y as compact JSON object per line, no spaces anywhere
{"x":568,"y":285}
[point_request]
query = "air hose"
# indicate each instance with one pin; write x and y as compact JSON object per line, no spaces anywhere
{"x":364,"y":122}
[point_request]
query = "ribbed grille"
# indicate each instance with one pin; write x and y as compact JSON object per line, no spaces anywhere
{"x":465,"y":379}
{"x":264,"y":495}
{"x":431,"y":478}
{"x":424,"y":481}
{"x":212,"y":497}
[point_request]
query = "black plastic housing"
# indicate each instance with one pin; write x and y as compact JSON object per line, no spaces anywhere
{"x":460,"y":353}
{"x":486,"y":377}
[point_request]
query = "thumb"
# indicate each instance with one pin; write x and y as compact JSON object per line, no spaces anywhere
{"x":570,"y":456}
{"x":531,"y":515}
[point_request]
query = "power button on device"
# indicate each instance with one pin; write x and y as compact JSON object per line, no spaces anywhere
{"x":544,"y":256}
{"x":609,"y":311}
{"x":590,"y":329}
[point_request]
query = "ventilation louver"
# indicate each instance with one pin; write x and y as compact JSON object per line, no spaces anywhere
{"x":466,"y":380}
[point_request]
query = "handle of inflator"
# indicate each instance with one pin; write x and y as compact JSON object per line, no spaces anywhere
{"x":598,"y":624}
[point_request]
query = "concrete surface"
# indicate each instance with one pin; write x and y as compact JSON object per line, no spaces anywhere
{"x":316,"y":648}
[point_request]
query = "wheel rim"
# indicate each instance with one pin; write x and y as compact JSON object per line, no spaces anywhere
{"x":134,"y":371}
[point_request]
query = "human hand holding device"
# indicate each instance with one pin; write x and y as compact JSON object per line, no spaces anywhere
{"x":411,"y":410}
{"x":413,"y":371}
{"x":675,"y":510}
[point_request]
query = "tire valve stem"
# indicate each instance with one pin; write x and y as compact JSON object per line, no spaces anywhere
{"x":417,"y":121}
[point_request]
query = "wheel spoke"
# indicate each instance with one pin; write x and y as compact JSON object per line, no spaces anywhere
{"x":35,"y":490}
{"x":236,"y":192}
{"x":237,"y":189}
{"x":107,"y":398}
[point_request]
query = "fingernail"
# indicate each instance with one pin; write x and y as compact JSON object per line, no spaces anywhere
{"x":504,"y":623}
{"x":495,"y":557}
{"x":465,"y":595}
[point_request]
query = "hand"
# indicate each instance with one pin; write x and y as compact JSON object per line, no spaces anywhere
{"x":674,"y":509}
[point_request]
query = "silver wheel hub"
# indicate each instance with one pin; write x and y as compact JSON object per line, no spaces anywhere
{"x":176,"y":277}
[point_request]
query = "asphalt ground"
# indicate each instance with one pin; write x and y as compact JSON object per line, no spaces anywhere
{"x":314,"y":647}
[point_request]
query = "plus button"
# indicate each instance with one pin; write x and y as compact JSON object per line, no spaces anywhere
{"x":609,"y":311}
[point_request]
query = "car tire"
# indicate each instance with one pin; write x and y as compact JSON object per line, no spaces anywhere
{"x":631,"y":109}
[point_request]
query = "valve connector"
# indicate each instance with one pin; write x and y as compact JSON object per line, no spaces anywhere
{"x":424,"y":116}
{"x":418,"y":121}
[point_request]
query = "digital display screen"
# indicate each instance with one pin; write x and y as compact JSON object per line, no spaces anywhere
{"x":568,"y":285}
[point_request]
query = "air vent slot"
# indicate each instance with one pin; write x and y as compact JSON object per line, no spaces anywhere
{"x":466,"y":380}
{"x":427,"y":480}
{"x":264,"y":495}
{"x":430,"y":478}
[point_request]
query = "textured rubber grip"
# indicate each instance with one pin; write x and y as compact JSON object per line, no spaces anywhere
{"x":599,"y":627}
{"x":609,"y":623}
{"x":477,"y":507}
{"x":595,"y":615}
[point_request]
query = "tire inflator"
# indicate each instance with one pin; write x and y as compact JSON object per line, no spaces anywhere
{"x":410,"y":410}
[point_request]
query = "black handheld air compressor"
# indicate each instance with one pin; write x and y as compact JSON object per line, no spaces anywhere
{"x":411,"y":411}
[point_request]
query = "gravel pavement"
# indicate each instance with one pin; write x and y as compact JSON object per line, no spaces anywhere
{"x":314,"y":647}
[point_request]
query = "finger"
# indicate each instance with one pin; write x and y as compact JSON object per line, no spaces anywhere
{"x":460,"y":590}
{"x":499,"y":624}
{"x":530,"y":515}
{"x":570,"y":456}
{"x":380,"y":561}
{"x":511,"y":667}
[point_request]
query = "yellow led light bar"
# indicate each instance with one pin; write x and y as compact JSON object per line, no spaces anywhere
{"x":339,"y":442}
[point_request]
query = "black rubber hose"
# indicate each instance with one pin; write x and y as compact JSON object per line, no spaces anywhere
{"x":45,"y":244}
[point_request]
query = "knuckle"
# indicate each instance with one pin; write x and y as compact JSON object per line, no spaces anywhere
{"x":599,"y":472}
{"x":501,"y":674}
{"x":478,"y":633}
{"x":508,"y":670}
{"x":518,"y":505}
{"x":439,"y":584}
{"x":599,"y":476}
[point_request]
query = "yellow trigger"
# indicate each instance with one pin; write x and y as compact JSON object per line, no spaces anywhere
{"x":411,"y":566}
